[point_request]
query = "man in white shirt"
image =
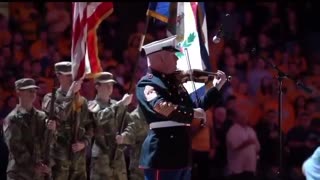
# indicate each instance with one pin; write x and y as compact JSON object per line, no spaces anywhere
{"x":242,"y":148}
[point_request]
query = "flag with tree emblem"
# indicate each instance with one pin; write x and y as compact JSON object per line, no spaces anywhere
{"x":190,"y":36}
{"x":188,"y":21}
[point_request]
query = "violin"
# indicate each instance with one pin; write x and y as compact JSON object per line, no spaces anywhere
{"x":197,"y":75}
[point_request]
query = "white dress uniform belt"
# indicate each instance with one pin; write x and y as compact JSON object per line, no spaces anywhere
{"x":163,"y":124}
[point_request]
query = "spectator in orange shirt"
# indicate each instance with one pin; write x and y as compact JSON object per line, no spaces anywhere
{"x":288,"y":118}
{"x":26,"y":68}
{"x":28,"y":19}
{"x":19,"y":53}
{"x":5,"y":34}
{"x":107,"y":59}
{"x":58,"y":19}
{"x":299,"y":104}
{"x":255,"y":75}
{"x":248,"y":105}
{"x":265,"y":91}
{"x":298,"y":58}
{"x":311,"y":107}
{"x":39,"y":48}
{"x":63,"y":45}
{"x":10,"y":103}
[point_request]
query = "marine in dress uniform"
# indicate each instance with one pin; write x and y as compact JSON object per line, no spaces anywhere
{"x":169,"y":110}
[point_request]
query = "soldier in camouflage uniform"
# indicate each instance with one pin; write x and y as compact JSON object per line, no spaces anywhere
{"x":72,"y":137}
{"x":134,"y":136}
{"x":107,"y":158}
{"x":24,"y":130}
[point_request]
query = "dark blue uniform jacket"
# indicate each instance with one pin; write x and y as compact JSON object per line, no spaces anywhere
{"x":168,"y":147}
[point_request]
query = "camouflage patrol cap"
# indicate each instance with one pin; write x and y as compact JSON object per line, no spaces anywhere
{"x":169,"y":43}
{"x":25,"y":83}
{"x":63,"y":67}
{"x":104,"y":77}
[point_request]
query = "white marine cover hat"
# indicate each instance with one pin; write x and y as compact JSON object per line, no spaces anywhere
{"x":169,"y":43}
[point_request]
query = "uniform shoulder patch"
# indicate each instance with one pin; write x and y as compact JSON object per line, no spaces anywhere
{"x":150,"y":93}
{"x":93,"y":106}
{"x":46,"y":101}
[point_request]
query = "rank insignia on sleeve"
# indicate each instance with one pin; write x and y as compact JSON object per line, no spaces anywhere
{"x":150,"y":93}
{"x":93,"y":106}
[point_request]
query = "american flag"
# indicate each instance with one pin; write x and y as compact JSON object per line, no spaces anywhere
{"x":84,"y":51}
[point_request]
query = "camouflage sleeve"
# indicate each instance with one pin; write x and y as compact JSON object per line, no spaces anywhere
{"x":61,"y":111}
{"x":109,"y":113}
{"x":87,"y":123}
{"x":18,"y":150}
{"x":137,"y":127}
{"x":130,"y":130}
{"x":89,"y":128}
{"x":45,"y":105}
{"x":42,"y":139}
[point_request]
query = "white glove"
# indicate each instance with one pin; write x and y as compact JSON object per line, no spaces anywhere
{"x":126,"y":99}
{"x":75,"y":87}
{"x":199,"y":113}
{"x":219,"y":81}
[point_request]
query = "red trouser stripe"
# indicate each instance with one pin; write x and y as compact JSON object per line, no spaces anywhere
{"x":158,"y":175}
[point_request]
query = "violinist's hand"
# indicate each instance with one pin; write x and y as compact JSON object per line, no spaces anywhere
{"x":199,"y":113}
{"x":219,"y":81}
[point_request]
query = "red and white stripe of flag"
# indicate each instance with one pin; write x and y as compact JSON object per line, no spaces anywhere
{"x":79,"y":39}
{"x":84,"y":51}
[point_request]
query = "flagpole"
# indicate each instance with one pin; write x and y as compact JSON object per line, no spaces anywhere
{"x":135,"y":68}
{"x":136,"y":65}
{"x":131,"y":83}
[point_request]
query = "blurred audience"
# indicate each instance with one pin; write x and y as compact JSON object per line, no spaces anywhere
{"x":36,"y":36}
